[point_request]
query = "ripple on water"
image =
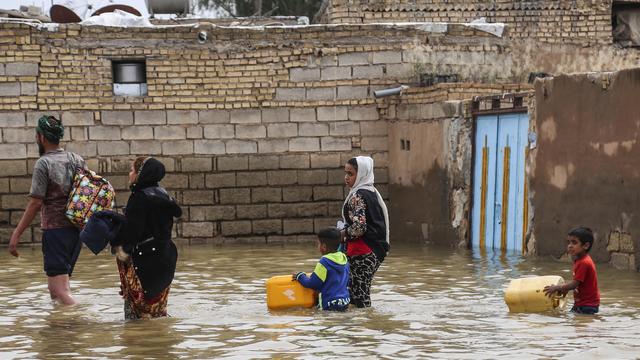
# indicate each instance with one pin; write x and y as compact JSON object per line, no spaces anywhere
{"x":428,"y":303}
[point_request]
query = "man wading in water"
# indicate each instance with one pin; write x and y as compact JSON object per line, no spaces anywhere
{"x":50,"y":187}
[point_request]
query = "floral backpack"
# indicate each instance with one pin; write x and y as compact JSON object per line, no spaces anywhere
{"x":90,"y":193}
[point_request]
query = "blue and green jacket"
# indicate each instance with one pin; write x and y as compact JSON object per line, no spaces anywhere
{"x":329,"y":278}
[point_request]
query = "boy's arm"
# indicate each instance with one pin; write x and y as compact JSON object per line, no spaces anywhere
{"x":316,"y":280}
{"x":562,"y":289}
{"x":580,"y":274}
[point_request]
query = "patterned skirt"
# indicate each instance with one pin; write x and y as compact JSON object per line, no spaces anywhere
{"x":135,"y":306}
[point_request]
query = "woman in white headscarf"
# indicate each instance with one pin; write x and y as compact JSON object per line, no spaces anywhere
{"x":366,"y":231}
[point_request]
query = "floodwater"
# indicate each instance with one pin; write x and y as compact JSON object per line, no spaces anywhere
{"x":428,"y":303}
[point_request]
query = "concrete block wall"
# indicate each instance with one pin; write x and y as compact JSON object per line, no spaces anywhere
{"x":253,"y":125}
{"x":254,"y":142}
{"x":236,"y":187}
{"x":229,"y":188}
{"x":585,"y":22}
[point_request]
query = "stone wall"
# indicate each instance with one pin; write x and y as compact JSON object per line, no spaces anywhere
{"x":584,"y":170}
{"x":582,"y":21}
{"x":622,"y":249}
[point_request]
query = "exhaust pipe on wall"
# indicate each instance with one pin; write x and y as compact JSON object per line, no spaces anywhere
{"x":390,"y":92}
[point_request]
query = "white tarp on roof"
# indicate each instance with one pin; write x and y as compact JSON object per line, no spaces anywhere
{"x":118,"y":18}
{"x":85,"y":8}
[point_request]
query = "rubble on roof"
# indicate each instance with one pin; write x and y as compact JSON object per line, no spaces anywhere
{"x":25,"y":12}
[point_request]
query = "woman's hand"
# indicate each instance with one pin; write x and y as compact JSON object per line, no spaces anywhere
{"x":121,"y":254}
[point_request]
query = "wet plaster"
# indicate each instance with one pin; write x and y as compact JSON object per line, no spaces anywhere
{"x":429,"y":184}
{"x":587,"y":161}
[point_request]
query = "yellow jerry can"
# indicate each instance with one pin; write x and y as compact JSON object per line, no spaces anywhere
{"x":527,"y":295}
{"x":284,"y":292}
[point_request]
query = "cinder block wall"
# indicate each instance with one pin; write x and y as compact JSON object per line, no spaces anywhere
{"x":254,"y":128}
{"x":565,"y":21}
{"x":254,"y":125}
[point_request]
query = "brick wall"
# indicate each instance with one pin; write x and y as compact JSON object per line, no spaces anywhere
{"x":564,"y":21}
{"x":255,"y":124}
{"x":254,"y":134}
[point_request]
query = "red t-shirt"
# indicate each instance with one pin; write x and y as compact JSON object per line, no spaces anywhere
{"x":587,"y":293}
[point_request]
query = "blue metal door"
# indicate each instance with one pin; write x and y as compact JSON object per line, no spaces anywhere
{"x":499,"y":215}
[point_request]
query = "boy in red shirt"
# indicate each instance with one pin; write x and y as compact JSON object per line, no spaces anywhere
{"x":586,"y":295}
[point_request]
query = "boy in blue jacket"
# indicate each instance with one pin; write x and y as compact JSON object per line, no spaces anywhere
{"x":331,"y":275}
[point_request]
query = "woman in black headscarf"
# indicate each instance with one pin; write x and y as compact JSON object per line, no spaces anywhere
{"x":146,"y":256}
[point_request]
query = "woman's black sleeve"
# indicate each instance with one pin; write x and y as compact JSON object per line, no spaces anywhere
{"x":134,"y":226}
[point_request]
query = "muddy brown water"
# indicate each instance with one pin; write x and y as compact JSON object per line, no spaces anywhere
{"x":428,"y":303}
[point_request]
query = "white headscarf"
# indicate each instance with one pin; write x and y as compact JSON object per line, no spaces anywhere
{"x":364,"y":181}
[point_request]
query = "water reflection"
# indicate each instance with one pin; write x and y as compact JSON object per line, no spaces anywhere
{"x":428,"y":303}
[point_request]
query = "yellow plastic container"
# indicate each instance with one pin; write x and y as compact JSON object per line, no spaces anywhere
{"x":527,"y":295}
{"x":283,"y":293}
